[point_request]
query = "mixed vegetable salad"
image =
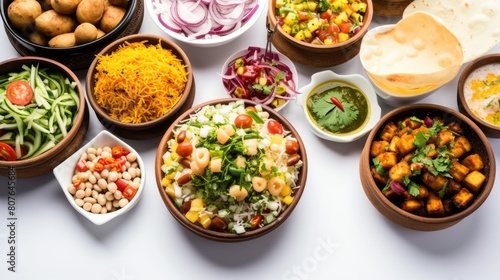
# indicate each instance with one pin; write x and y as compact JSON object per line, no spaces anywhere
{"x":231,"y":168}
{"x":260,"y":77}
{"x":322,"y":22}
{"x":37,"y":109}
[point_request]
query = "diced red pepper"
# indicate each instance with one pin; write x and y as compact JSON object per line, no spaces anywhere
{"x":77,"y":183}
{"x":121,"y":184}
{"x":117,"y":151}
{"x":129,"y":192}
{"x":98,"y":166}
{"x":255,"y":221}
{"x":81,"y":166}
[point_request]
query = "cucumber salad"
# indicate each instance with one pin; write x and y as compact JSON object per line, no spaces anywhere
{"x":231,"y":168}
{"x":38,"y":107}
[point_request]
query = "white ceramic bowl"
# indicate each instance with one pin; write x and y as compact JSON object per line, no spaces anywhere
{"x":282,"y":58}
{"x":320,"y":82}
{"x":385,"y":95}
{"x":209,"y":42}
{"x":64,"y":172}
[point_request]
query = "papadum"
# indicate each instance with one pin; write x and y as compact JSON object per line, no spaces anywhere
{"x":474,"y":22}
{"x":418,"y":52}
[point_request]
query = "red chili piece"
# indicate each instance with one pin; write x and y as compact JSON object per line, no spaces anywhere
{"x":337,"y":102}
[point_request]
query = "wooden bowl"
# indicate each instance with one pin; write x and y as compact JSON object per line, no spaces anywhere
{"x":392,"y":211}
{"x":45,"y":162}
{"x":390,"y":8}
{"x":209,"y":233}
{"x":152,"y":128}
{"x":463,"y":99}
{"x":317,"y":55}
{"x":77,"y":57}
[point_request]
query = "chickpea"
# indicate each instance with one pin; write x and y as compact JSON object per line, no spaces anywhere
{"x":131,"y":157}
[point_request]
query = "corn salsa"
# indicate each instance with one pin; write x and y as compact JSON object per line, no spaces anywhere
{"x":321,"y":22}
{"x":482,"y":93}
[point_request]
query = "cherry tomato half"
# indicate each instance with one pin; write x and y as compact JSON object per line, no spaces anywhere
{"x":291,"y":147}
{"x":19,"y":93}
{"x":243,"y":121}
{"x":184,"y":149}
{"x":274,"y":127}
{"x":7,"y":152}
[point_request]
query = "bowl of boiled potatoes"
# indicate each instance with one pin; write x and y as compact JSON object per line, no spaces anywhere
{"x":69,"y":31}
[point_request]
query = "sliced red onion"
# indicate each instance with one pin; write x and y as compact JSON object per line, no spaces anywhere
{"x":428,"y":121}
{"x":396,"y":187}
{"x":185,"y":16}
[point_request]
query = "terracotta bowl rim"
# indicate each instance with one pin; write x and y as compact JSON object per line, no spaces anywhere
{"x":369,"y":184}
{"x":52,"y":64}
{"x":229,"y":237}
{"x":138,"y":38}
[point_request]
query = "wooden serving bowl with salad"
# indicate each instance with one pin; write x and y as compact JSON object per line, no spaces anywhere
{"x":231,"y":170}
{"x":427,"y":167}
{"x":116,"y":85}
{"x":321,"y":34}
{"x":44,"y":115}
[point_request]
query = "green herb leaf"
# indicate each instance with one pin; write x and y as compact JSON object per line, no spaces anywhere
{"x":330,"y":116}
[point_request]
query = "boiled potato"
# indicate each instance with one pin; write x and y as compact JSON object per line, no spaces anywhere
{"x":22,"y":13}
{"x":111,"y":17}
{"x":66,"y":7}
{"x":85,"y":32}
{"x":63,"y":40}
{"x":50,"y":23}
{"x":90,"y":11}
{"x":100,"y":33}
{"x":119,"y":3}
{"x":38,"y":38}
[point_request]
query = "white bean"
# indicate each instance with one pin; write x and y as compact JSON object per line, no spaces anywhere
{"x":105,"y":174}
{"x":97,"y":188}
{"x":102,"y":183}
{"x":118,"y":194}
{"x":96,"y":208}
{"x":109,"y":196}
{"x":109,"y":205}
{"x":115,"y":204}
{"x":71,"y":189}
{"x":106,"y":154}
{"x":101,"y":199}
{"x":80,"y":194}
{"x":79,"y":202}
{"x":103,"y":210}
{"x":113,"y":176}
{"x":131,"y":157}
{"x":88,"y":192}
{"x":95,"y":194}
{"x":126,"y":176}
{"x":92,"y":179}
{"x":122,"y":202}
{"x":112,"y":187}
{"x":92,"y":150}
{"x":90,"y":200}
{"x":87,"y":206}
{"x":132,"y":172}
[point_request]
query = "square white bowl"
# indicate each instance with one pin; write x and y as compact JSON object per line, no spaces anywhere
{"x":65,"y":171}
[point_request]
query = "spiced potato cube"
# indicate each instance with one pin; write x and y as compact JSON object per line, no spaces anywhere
{"x":458,"y":171}
{"x":436,"y":183}
{"x":462,"y":198}
{"x":378,"y":147}
{"x":473,"y":162}
{"x":405,"y":144}
{"x":474,"y":181}
{"x":434,"y":205}
{"x":389,"y":131}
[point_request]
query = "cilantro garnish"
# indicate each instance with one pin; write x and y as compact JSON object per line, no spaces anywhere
{"x":330,"y":116}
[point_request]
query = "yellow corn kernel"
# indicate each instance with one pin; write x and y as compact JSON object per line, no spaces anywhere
{"x":170,"y":190}
{"x":313,"y":24}
{"x":291,"y":19}
{"x":287,"y":28}
{"x":276,"y":139}
{"x":280,"y":3}
{"x":192,"y":216}
{"x":361,"y":7}
{"x":287,"y":190}
{"x":205,"y":220}
{"x":311,"y":5}
{"x":328,"y":41}
{"x":287,"y":199}
{"x":262,"y":81}
{"x":240,"y":70}
{"x":343,"y":37}
{"x":300,"y":35}
{"x":196,"y":205}
{"x":341,"y":18}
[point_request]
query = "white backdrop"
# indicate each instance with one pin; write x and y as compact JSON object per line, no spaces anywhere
{"x":334,"y":233}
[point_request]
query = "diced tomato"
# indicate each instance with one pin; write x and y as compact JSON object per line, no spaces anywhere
{"x":19,"y":92}
{"x":81,"y":166}
{"x":250,"y":73}
{"x":303,"y":16}
{"x":129,"y":192}
{"x":326,"y":14}
{"x":333,"y":29}
{"x":7,"y":152}
{"x":345,"y":27}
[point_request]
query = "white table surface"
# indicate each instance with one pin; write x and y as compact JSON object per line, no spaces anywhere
{"x":334,"y":232}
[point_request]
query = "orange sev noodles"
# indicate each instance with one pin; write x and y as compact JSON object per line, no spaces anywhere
{"x":139,"y":82}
